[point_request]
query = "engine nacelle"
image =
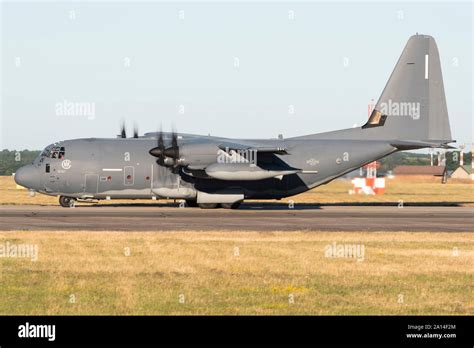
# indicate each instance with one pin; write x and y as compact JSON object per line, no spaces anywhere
{"x":244,"y":171}
{"x":219,"y":197}
{"x":175,"y":193}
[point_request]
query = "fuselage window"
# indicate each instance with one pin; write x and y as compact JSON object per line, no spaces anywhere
{"x":47,"y":168}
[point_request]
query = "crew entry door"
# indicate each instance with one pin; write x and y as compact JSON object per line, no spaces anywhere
{"x":91,"y":184}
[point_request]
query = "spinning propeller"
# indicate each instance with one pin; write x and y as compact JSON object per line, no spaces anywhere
{"x":123,"y":132}
{"x":167,"y":156}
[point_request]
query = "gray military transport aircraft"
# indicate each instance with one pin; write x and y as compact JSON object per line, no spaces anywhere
{"x":208,"y":171}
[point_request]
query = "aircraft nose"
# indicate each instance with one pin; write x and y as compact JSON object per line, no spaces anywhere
{"x":28,"y":176}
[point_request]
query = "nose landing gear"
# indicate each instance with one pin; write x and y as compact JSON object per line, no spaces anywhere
{"x":67,"y":202}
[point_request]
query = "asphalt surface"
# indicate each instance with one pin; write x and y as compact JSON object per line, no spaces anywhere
{"x":251,"y":217}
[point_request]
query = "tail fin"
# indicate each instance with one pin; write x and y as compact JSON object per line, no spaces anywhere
{"x":412,"y":106}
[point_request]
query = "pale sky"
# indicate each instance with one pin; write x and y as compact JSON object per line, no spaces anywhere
{"x":236,"y":69}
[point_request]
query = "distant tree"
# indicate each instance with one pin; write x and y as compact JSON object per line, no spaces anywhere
{"x":11,"y":160}
{"x":410,"y":158}
{"x":403,"y":158}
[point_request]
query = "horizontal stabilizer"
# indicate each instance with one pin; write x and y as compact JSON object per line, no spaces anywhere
{"x":415,"y":144}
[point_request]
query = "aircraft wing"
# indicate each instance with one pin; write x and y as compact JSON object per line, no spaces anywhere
{"x":266,"y":166}
{"x":226,"y":146}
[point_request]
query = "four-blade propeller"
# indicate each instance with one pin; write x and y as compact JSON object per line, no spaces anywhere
{"x":167,"y":156}
{"x":123,"y":132}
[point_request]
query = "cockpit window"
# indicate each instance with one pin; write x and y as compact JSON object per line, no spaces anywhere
{"x":46,"y":152}
{"x":57,"y":152}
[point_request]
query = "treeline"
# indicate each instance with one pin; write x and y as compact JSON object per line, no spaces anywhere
{"x":422,"y":159}
{"x":10,"y":161}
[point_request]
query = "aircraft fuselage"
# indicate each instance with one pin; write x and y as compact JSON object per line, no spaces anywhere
{"x":123,"y":168}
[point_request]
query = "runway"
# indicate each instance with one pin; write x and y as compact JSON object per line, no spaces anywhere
{"x":251,"y":217}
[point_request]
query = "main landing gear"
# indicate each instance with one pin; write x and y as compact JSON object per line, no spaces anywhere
{"x":222,"y":205}
{"x":191,"y":203}
{"x":67,"y":202}
{"x":235,"y":205}
{"x":207,"y":205}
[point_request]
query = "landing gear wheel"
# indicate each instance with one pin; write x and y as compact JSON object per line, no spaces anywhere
{"x":67,"y":202}
{"x":207,"y":205}
{"x":235,"y":205}
{"x":191,"y":203}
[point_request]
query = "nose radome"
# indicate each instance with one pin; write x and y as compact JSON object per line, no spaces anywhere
{"x":28,"y":176}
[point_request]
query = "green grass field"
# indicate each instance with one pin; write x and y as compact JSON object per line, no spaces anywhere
{"x":238,"y":273}
{"x":221,"y":273}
